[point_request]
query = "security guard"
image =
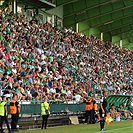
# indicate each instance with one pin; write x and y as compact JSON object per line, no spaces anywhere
{"x":89,"y":106}
{"x":3,"y":114}
{"x":14,"y":111}
{"x":103,"y":110}
{"x":45,"y":108}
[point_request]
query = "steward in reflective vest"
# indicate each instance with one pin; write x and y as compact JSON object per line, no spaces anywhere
{"x":89,"y":104}
{"x":3,"y":114}
{"x":2,"y":108}
{"x":13,"y":108}
{"x":14,"y":111}
{"x":45,"y":108}
{"x":89,"y":107}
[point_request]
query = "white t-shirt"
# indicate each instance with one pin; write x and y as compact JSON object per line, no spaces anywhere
{"x":68,"y":93}
{"x":52,"y":90}
{"x":14,"y":71}
{"x":77,"y":98}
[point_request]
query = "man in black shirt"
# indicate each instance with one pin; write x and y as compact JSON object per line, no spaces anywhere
{"x":103,"y":110}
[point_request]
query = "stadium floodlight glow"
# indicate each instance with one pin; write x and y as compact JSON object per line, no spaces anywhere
{"x":108,"y":22}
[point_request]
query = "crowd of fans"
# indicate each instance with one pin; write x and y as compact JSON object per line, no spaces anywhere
{"x":122,"y":112}
{"x":38,"y":60}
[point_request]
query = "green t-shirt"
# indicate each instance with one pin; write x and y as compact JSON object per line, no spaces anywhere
{"x":53,"y":69}
{"x":24,"y":66}
{"x":124,"y":108}
{"x":63,"y":91}
{"x":26,"y":91}
{"x":29,"y":59}
{"x":2,"y":70}
{"x":15,"y":57}
{"x":20,"y":57}
{"x":9,"y":71}
{"x":8,"y":30}
{"x":17,"y":90}
{"x":25,"y":81}
{"x":1,"y":37}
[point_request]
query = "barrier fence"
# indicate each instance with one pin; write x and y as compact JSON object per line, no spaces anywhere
{"x":57,"y":108}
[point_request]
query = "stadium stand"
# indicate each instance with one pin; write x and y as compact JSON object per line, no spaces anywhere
{"x":38,"y":60}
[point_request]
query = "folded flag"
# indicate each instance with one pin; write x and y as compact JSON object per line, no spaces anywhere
{"x":108,"y":119}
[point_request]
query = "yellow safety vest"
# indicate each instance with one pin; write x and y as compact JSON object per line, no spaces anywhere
{"x":2,"y":109}
{"x":45,"y":108}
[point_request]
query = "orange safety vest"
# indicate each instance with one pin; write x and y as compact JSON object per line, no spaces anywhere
{"x":89,"y":105}
{"x":13,"y":108}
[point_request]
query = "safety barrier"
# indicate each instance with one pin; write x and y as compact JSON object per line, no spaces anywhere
{"x":57,"y":108}
{"x":54,"y":108}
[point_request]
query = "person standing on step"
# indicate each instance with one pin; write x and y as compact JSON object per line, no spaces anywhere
{"x":89,"y":106}
{"x":103,"y":110}
{"x":3,"y":115}
{"x":45,"y":108}
{"x":14,"y":111}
